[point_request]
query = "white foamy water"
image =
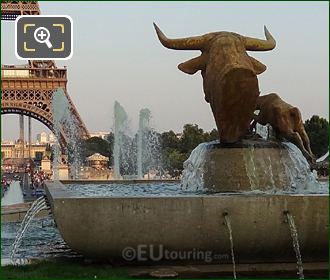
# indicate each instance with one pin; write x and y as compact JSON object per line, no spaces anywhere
{"x":65,"y":123}
{"x":135,"y":155}
{"x":14,"y":194}
{"x":120,"y":125}
{"x":144,"y":119}
{"x":302,"y":180}
{"x":194,"y":167}
{"x":262,"y":130}
{"x":42,"y":240}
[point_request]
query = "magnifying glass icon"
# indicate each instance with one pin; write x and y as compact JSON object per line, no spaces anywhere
{"x":41,"y":35}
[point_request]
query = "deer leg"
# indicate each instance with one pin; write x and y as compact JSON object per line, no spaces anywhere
{"x":257,"y":119}
{"x":253,"y":123}
{"x":306,"y":141}
{"x":295,"y":138}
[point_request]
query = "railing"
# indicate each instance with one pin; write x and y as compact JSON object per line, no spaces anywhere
{"x":20,"y":6}
{"x":26,"y":72}
{"x":10,"y":10}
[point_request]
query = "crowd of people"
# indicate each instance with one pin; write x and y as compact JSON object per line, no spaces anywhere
{"x":37,"y":179}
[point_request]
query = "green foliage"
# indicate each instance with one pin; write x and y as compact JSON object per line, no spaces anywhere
{"x":317,"y":129}
{"x":173,"y":161}
{"x":214,"y":135}
{"x":169,"y":140}
{"x":177,"y":148}
{"x":96,"y":145}
{"x":192,"y":136}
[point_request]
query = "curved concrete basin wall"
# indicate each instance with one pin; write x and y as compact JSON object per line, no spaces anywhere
{"x":103,"y":227}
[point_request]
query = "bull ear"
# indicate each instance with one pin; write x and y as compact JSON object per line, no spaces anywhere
{"x":193,"y":65}
{"x":257,"y":66}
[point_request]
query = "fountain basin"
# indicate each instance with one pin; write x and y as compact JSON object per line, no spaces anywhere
{"x":102,"y":227}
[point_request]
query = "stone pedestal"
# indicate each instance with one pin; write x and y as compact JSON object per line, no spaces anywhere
{"x":248,"y":165}
{"x":46,"y":165}
{"x":63,"y":172}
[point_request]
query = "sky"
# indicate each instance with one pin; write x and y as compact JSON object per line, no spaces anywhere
{"x":117,"y":56}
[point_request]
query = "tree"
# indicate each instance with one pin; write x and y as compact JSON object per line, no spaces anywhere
{"x":192,"y":136}
{"x":169,"y":140}
{"x":176,"y":150}
{"x":214,"y":134}
{"x":173,"y":161}
{"x":211,"y":136}
{"x":96,"y":145}
{"x":111,"y":139}
{"x":317,"y":129}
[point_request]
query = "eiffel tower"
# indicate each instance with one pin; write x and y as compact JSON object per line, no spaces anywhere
{"x":27,"y":89}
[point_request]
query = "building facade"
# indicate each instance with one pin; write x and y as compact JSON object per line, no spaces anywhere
{"x":101,"y":134}
{"x":14,"y":150}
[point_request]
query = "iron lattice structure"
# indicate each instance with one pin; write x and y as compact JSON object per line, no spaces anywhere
{"x":10,"y":10}
{"x":28,"y":89}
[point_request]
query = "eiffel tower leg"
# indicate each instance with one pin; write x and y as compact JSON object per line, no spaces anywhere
{"x":29,"y":135}
{"x":21,"y":135}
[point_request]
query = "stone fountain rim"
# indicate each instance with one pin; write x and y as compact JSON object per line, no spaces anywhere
{"x":184,"y":197}
{"x":258,"y":143}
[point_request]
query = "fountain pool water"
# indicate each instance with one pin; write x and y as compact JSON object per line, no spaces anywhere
{"x":42,"y":240}
{"x":159,"y":189}
{"x":128,"y":189}
{"x":35,"y":208}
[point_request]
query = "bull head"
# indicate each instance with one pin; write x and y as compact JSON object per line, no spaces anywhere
{"x":229,"y":75}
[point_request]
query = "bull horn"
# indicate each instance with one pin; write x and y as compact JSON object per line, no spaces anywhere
{"x":252,"y":44}
{"x":190,"y":43}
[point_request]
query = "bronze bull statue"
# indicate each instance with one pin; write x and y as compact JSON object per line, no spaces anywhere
{"x":229,"y":76}
{"x":285,"y":120}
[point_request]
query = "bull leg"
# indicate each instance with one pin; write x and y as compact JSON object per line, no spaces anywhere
{"x":295,"y":138}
